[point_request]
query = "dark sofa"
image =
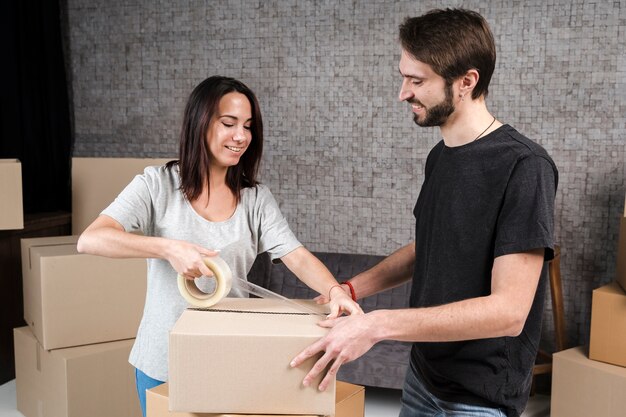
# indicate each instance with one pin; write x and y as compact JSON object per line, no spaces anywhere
{"x":386,"y":363}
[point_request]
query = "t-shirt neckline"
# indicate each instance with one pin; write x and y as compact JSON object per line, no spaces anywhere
{"x":205,"y":220}
{"x":474,"y":142}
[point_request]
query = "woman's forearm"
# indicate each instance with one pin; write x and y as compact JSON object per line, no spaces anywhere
{"x":106,"y":237}
{"x":310,"y":270}
{"x":391,"y":272}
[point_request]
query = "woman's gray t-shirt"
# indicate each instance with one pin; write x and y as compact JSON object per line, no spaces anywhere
{"x":154,"y":205}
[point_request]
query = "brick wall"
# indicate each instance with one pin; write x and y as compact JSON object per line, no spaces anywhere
{"x":342,"y":155}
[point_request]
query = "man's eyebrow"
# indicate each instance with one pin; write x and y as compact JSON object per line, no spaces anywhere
{"x":417,"y":77}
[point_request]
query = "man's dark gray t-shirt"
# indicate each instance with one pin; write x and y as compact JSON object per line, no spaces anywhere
{"x":488,"y":198}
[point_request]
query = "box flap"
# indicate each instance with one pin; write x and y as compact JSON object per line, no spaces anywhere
{"x":345,"y":390}
{"x":612,"y":288}
{"x":267,"y":305}
{"x":248,"y":322}
{"x":51,"y":240}
{"x":41,"y":242}
{"x":579,"y":355}
{"x":93,"y":349}
{"x":157,"y":399}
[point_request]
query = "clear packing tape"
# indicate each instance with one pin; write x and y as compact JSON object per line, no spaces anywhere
{"x":223,"y":283}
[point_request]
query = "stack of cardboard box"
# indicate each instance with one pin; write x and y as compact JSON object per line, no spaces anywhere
{"x":596,"y":385}
{"x":82,"y":313}
{"x":233,"y":359}
{"x":11,"y":211}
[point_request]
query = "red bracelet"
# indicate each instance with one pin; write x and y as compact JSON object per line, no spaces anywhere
{"x":352,"y":292}
{"x":331,"y":288}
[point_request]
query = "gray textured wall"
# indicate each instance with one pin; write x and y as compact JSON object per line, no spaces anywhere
{"x":343,"y":156}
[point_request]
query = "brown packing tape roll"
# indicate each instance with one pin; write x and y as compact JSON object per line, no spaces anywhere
{"x":198,"y":298}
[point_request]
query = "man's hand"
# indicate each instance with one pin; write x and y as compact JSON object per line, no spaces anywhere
{"x":349,"y":338}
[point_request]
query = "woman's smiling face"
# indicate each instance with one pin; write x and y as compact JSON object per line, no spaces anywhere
{"x":229,"y":135}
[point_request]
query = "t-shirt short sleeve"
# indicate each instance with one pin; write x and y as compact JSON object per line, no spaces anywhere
{"x":275,"y":236}
{"x":526,"y":220}
{"x":133,"y":207}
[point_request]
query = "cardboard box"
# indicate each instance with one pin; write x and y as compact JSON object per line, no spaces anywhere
{"x":235,"y":358}
{"x":349,"y":402}
{"x":94,"y":380}
{"x":73,"y":299}
{"x":11,"y":208}
{"x":608,"y":325}
{"x":97,"y":181}
{"x":582,"y":387}
{"x":621,"y":254}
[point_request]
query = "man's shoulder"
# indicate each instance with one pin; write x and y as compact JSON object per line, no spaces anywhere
{"x":520,"y":143}
{"x":519,"y":147}
{"x":435,"y":150}
{"x":526,"y":152}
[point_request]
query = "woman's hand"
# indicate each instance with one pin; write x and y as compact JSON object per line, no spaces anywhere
{"x":323,"y":298}
{"x":188,"y":258}
{"x":313,"y":273}
{"x":340,"y":302}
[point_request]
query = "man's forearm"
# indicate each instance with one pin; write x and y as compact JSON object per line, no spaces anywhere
{"x":503,"y":312}
{"x":475,"y":318}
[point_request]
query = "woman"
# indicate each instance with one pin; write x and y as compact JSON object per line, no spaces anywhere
{"x":207,"y":201}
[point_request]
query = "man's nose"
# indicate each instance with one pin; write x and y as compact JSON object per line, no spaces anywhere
{"x":405,"y":92}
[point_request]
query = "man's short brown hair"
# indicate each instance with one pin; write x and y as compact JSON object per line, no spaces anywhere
{"x":452,"y":42}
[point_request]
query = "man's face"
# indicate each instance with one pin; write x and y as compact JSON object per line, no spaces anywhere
{"x":429,"y":95}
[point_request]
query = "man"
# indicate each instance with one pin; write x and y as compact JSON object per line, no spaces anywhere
{"x":484,"y":228}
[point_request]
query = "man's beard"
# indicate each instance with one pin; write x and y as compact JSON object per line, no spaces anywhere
{"x":438,"y":114}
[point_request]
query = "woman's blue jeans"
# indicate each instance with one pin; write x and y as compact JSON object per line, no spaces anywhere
{"x":144,"y":382}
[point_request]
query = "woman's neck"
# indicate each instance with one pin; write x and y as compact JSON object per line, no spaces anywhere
{"x":217,"y":177}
